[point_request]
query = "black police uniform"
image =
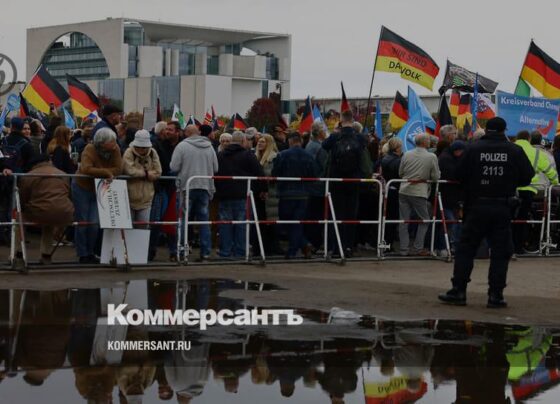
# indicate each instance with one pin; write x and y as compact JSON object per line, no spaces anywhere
{"x":490,"y":170}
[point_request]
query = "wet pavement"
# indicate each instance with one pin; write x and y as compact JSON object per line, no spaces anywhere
{"x":53,"y":347}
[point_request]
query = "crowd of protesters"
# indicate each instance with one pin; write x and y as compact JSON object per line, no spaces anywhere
{"x":115,"y":146}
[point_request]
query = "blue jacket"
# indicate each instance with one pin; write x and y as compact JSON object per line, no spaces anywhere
{"x":294,"y":162}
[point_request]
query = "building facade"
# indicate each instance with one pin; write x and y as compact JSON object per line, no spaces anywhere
{"x":134,"y":62}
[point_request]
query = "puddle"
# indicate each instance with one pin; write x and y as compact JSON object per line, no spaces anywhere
{"x":50,"y":352}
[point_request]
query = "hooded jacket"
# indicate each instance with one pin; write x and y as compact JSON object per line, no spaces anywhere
{"x":236,"y":160}
{"x":195,"y":156}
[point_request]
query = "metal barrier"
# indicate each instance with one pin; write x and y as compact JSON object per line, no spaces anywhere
{"x":437,"y":206}
{"x":252,"y":216}
{"x":18,"y":224}
{"x":549,"y":243}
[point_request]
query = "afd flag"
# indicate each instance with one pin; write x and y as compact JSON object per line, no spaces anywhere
{"x":528,"y":113}
{"x":414,"y":126}
{"x":68,"y":120}
{"x":415,"y":103}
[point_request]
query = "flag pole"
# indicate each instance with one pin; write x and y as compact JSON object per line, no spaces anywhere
{"x":372,"y":78}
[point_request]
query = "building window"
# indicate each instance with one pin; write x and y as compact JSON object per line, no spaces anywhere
{"x":169,"y":91}
{"x":78,"y":55}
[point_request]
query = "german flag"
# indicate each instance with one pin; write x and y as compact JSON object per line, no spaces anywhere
{"x":307,"y":118}
{"x":542,"y":72}
{"x":454,"y":103}
{"x":23,"y":107}
{"x":84,"y":101}
{"x":399,"y":112}
{"x":344,"y":105}
{"x":444,"y":115}
{"x":43,"y":90}
{"x":464,"y":115}
{"x":238,"y":122}
{"x":396,"y":55}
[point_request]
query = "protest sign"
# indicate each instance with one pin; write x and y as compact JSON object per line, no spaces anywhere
{"x":112,"y":204}
{"x":528,"y":113}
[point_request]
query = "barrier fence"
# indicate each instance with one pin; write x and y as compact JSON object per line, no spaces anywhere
{"x":547,"y":225}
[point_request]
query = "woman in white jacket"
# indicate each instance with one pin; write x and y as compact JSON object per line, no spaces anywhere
{"x":141,"y":162}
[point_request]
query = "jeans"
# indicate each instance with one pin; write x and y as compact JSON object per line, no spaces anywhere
{"x":345,"y":198}
{"x":453,"y":231}
{"x":232,"y":236}
{"x":294,"y":209}
{"x":85,"y":206}
{"x":407,"y":205}
{"x":199,"y":202}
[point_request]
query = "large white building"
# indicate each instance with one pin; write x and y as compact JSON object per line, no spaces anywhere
{"x":132,"y":62}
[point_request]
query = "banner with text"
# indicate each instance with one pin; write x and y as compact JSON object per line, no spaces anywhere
{"x":112,"y":204}
{"x":528,"y":113}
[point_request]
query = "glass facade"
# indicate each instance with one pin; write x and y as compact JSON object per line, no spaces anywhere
{"x":213,"y":65}
{"x":169,"y":90}
{"x":78,"y":55}
{"x":111,"y":91}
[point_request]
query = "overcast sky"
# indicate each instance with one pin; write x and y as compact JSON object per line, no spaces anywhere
{"x":333,"y":40}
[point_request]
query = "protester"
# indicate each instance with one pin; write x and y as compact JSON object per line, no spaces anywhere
{"x":101,"y":159}
{"x":195,"y":156}
{"x":390,"y":171}
{"x":235,"y":160}
{"x":267,"y":209}
{"x":251,"y":135}
{"x":537,"y":142}
{"x":54,"y":122}
{"x":111,"y":117}
{"x":490,"y":170}
{"x":225,"y":140}
{"x":141,"y":162}
{"x":316,"y":204}
{"x":348,"y":158}
{"x":451,"y":194}
{"x":36,"y":135}
{"x":293,"y":195}
{"x":164,"y":202}
{"x":416,"y":165}
{"x":541,"y":165}
{"x":78,"y":145}
{"x":158,"y":131}
{"x":16,"y":147}
{"x":279,"y":135}
{"x":59,"y":150}
{"x":45,"y":201}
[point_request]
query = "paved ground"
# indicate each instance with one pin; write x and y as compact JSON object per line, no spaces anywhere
{"x":391,"y":289}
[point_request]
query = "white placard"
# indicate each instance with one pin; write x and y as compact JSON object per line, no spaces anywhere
{"x":112,"y":204}
{"x":150,"y":118}
{"x":137,"y":245}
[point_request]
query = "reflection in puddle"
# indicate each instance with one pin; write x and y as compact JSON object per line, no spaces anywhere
{"x":53,"y":348}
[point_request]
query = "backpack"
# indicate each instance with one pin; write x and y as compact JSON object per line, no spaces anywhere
{"x":346,"y":156}
{"x":13,"y":158}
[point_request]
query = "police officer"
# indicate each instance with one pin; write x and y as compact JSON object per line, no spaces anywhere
{"x":490,"y":171}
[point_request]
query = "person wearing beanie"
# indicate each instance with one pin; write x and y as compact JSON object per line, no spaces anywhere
{"x":490,"y":171}
{"x":141,"y":162}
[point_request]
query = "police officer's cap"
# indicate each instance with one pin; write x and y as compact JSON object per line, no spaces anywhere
{"x":496,"y":124}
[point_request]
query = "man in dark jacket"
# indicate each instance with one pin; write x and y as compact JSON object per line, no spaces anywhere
{"x":451,"y":194}
{"x":111,"y":117}
{"x":164,"y":189}
{"x":348,"y":158}
{"x":234,"y":160}
{"x":293,"y":195}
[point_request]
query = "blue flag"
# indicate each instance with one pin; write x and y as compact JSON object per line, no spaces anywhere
{"x":68,"y":120}
{"x":378,"y":123}
{"x":3,"y":117}
{"x":414,"y":126}
{"x":474,"y":106}
{"x":317,"y":114}
{"x":414,"y":104}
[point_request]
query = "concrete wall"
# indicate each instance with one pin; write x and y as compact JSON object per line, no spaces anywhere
{"x":192,"y":95}
{"x":218,"y":92}
{"x":107,"y":34}
{"x":226,"y":65}
{"x":243,"y":66}
{"x":137,"y":94}
{"x":280,"y":47}
{"x":243,"y":93}
{"x":150,"y":61}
